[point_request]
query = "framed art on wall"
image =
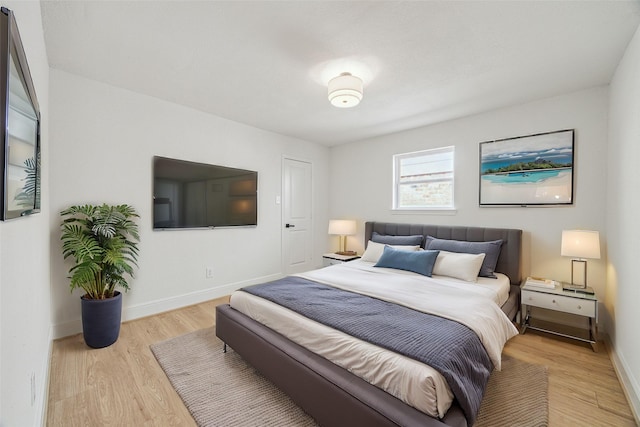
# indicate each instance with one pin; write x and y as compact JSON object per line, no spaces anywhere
{"x":528,"y":170}
{"x":20,"y":169}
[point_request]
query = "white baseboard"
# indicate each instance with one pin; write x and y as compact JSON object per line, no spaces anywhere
{"x":629,"y":384}
{"x":42,"y":401}
{"x":68,"y":328}
{"x":74,"y":326}
{"x":167,"y":304}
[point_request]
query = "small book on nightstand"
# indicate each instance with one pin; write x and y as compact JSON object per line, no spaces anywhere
{"x":341,"y":257}
{"x":539,"y":282}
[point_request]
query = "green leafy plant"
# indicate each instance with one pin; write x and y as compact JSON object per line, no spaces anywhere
{"x":103,"y":241}
{"x":31,"y":183}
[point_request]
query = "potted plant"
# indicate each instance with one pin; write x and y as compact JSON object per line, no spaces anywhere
{"x":103,"y":241}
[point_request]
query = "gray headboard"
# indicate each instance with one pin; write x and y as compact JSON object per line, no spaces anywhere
{"x":508,"y":261}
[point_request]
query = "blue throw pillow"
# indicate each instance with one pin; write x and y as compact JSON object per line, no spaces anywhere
{"x":491,"y":250}
{"x":420,"y":262}
{"x":397,"y":240}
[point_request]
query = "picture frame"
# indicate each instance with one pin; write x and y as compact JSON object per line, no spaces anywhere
{"x":20,"y":160}
{"x":528,"y":170}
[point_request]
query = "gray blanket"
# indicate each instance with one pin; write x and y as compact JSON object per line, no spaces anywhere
{"x":451,"y":348}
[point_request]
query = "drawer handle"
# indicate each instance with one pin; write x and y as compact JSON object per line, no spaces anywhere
{"x":579,"y":307}
{"x":553,"y":301}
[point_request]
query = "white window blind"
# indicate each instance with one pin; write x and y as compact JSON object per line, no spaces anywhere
{"x":423,"y":179}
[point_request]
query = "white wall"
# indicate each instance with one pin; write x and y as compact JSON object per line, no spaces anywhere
{"x":623,"y":229}
{"x":100,"y":149}
{"x":364,"y":169}
{"x":103,"y":142}
{"x":24,"y":262}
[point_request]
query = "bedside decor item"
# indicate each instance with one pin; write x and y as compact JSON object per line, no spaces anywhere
{"x":580,"y":244}
{"x":345,"y":91}
{"x":20,"y":124}
{"x":540,"y":282}
{"x":343,"y":228}
{"x":527,"y":170}
{"x":103,"y":242}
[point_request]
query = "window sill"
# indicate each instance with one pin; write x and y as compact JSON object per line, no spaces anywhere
{"x":428,"y":211}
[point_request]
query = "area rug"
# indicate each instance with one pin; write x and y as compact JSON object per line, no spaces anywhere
{"x":221,"y":389}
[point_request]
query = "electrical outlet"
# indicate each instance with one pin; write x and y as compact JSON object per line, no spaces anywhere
{"x":33,"y":388}
{"x":208,"y":272}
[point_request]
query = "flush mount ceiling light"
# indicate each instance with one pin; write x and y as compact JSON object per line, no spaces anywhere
{"x":345,"y":91}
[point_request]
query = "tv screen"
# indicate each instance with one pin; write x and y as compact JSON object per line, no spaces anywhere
{"x":196,"y":195}
{"x":20,"y":173}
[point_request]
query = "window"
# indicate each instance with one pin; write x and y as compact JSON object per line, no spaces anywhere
{"x":423,"y":179}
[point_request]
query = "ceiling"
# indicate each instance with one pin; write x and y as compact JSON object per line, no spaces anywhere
{"x":267,"y":63}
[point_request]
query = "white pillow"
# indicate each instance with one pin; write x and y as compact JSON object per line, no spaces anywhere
{"x":374,"y":250}
{"x":458,"y":265}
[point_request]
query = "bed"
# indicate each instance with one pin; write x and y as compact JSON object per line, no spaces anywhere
{"x":333,"y":395}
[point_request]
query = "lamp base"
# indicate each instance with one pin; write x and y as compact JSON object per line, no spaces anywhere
{"x":346,"y":253}
{"x":577,"y":288}
{"x":579,"y":273}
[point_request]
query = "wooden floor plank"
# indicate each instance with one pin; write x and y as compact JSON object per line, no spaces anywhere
{"x":124,"y":385}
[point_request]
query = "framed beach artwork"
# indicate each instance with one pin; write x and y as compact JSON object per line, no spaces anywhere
{"x":528,"y":170}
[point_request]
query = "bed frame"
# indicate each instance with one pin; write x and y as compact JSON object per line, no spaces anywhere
{"x":332,"y":395}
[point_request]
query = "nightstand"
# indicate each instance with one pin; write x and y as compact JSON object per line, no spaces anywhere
{"x":331,"y":259}
{"x":563,"y":301}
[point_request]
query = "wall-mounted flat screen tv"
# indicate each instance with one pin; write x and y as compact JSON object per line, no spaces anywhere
{"x":198,"y":195}
{"x":19,"y":126}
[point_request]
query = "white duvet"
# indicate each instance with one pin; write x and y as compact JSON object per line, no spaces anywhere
{"x":415,"y":383}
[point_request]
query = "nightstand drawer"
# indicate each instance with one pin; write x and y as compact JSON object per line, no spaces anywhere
{"x":578,"y":306}
{"x":332,"y":259}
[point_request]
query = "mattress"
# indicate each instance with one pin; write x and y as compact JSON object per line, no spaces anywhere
{"x":497,"y":289}
{"x":412,"y":382}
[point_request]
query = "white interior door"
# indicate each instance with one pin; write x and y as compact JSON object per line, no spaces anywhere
{"x":297,"y":236}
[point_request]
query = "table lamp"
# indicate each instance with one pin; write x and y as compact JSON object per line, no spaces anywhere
{"x":580,"y":244}
{"x":343,"y":228}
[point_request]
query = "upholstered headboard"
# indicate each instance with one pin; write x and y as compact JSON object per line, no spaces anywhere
{"x":508,"y":261}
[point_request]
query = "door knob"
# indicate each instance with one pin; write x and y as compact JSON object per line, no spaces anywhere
{"x":289,"y":226}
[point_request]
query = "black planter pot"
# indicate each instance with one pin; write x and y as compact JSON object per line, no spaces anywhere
{"x":101,"y":320}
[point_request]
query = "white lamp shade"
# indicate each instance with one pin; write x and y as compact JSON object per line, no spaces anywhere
{"x":345,"y":90}
{"x":342,"y":227}
{"x":580,"y":244}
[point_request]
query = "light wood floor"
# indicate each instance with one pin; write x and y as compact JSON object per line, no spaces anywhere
{"x":122,"y":385}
